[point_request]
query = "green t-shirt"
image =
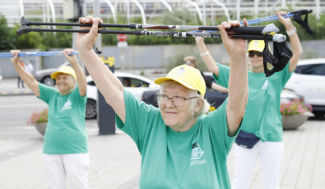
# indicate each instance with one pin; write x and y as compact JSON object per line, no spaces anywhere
{"x":193,"y":159}
{"x":262,"y":116}
{"x":66,"y":129}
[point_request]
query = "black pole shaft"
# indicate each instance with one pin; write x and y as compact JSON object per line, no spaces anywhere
{"x":160,"y":33}
{"x":76,"y":24}
{"x":83,"y":31}
{"x":239,"y":29}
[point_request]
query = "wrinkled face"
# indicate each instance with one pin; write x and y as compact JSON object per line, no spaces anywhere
{"x":64,"y":82}
{"x":256,"y":61}
{"x":176,"y":116}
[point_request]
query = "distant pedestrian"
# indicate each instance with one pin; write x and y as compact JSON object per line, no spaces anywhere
{"x":19,"y":79}
{"x":65,"y":153}
{"x":29,"y":68}
{"x":191,"y":61}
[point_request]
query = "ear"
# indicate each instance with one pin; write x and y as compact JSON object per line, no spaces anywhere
{"x":199,"y":105}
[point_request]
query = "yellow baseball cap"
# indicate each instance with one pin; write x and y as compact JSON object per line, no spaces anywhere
{"x":257,"y":45}
{"x":65,"y":70}
{"x":187,"y":76}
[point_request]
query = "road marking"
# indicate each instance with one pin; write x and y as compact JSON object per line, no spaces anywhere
{"x":22,"y":105}
{"x":16,"y":93}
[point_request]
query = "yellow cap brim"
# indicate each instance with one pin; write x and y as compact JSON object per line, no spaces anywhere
{"x":55,"y":74}
{"x":185,"y":84}
{"x":255,"y":49}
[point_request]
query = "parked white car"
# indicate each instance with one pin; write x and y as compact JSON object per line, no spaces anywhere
{"x":309,"y":80}
{"x":134,"y":83}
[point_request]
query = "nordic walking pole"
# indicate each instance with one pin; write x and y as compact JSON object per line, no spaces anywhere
{"x":275,"y":37}
{"x":23,"y":54}
{"x":239,"y":29}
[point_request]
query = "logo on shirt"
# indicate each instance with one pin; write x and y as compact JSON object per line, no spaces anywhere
{"x":265,"y":85}
{"x":67,"y":105}
{"x":197,"y":153}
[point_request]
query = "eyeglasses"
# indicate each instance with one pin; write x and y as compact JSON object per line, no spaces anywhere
{"x":252,"y":54}
{"x":177,"y":101}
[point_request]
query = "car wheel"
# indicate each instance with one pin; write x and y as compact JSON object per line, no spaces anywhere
{"x":319,"y":114}
{"x":47,"y":80}
{"x":91,"y":109}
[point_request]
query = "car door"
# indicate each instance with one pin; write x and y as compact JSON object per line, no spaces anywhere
{"x":135,"y":86}
{"x":91,"y":90}
{"x":309,"y":81}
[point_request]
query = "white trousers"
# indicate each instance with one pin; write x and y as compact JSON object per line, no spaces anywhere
{"x":72,"y":166}
{"x":271,"y":155}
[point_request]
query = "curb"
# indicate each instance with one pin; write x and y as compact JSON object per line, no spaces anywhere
{"x":16,"y":93}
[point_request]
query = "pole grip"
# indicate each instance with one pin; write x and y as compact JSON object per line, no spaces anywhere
{"x":133,"y":26}
{"x":137,"y":32}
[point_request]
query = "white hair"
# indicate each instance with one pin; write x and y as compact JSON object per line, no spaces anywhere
{"x":73,"y":79}
{"x":193,"y":103}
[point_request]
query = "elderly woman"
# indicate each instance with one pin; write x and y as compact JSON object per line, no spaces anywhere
{"x":180,"y":147}
{"x":65,"y":150}
{"x":191,"y":61}
{"x":262,"y":121}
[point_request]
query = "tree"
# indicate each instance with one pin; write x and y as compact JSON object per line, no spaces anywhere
{"x":7,"y":37}
{"x":30,"y":40}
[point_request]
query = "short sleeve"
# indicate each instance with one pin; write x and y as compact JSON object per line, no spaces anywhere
{"x":139,"y":120}
{"x":76,"y":95}
{"x":46,"y":92}
{"x":223,"y":77}
{"x":217,"y":121}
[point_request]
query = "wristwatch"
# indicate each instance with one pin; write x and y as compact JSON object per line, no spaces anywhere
{"x":291,"y":32}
